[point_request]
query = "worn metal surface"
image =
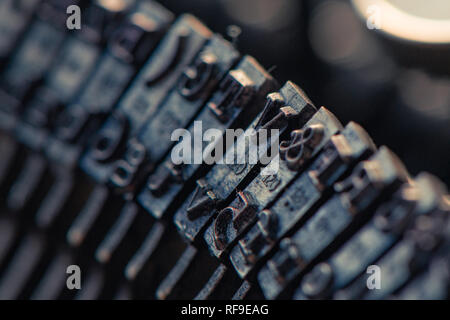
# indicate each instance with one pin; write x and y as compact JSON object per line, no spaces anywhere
{"x":240,"y":96}
{"x":220,"y":183}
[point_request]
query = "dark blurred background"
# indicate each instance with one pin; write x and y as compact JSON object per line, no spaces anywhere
{"x":397,"y":88}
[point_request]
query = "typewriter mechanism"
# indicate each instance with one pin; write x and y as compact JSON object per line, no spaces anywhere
{"x":144,"y":155}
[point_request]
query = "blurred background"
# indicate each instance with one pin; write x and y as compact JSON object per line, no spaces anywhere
{"x":384,"y":64}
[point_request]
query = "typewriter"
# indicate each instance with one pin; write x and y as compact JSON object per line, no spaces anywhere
{"x":157,"y":150}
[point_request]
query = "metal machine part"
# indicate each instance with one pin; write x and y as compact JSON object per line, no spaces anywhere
{"x":98,"y":188}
